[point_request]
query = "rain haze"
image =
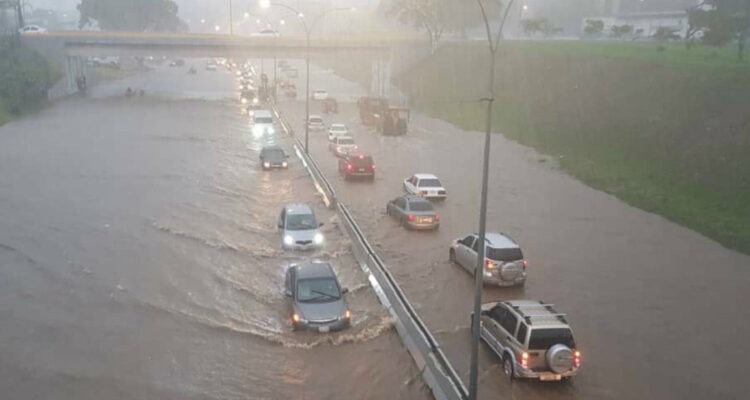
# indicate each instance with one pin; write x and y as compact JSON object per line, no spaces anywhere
{"x":374,"y":199}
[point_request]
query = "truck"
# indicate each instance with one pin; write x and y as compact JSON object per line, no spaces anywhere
{"x":387,"y":120}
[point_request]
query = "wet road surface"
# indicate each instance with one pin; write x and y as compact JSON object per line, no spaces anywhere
{"x":659,"y":311}
{"x":139,"y":258}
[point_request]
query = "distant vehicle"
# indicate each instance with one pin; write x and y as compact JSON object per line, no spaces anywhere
{"x":315,"y":123}
{"x":342,"y":145}
{"x":252,"y":108}
{"x":112,"y":62}
{"x":387,"y":120}
{"x":503,"y":264}
{"x":248,"y":96}
{"x":357,"y":165}
{"x":177,"y":63}
{"x":211,"y":66}
{"x":273,"y":157}
{"x":319,"y":94}
{"x":413,"y":212}
{"x":330,"y":105}
{"x":425,"y":185}
{"x":531,"y":338}
{"x":316,"y":298}
{"x":266,"y":33}
{"x":32,"y":29}
{"x":263,"y":123}
{"x":299,"y":228}
{"x":337,"y":130}
{"x":291,"y":91}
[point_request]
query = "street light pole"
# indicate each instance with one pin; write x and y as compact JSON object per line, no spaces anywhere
{"x":479,"y":267}
{"x":231,"y":28}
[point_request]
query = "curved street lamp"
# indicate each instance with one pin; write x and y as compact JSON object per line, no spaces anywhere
{"x":266,"y":4}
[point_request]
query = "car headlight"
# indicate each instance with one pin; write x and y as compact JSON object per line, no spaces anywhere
{"x":255,"y":100}
{"x":288,"y":240}
{"x":266,"y":164}
{"x":257,"y":131}
{"x":318,"y":238}
{"x":284,"y":164}
{"x":244,"y":100}
{"x":271,"y":130}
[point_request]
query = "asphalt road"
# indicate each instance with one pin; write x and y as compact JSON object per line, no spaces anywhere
{"x":139,"y":258}
{"x":659,"y":311}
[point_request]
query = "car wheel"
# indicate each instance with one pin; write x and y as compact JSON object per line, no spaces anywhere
{"x":452,"y":256}
{"x":508,"y":366}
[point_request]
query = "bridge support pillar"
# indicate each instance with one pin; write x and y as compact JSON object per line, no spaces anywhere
{"x":381,"y":78}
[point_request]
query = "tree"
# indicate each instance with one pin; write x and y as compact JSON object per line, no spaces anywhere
{"x":437,"y":16}
{"x":539,"y":25}
{"x":594,"y":27}
{"x":620,"y":31}
{"x":730,"y":20}
{"x":131,"y":15}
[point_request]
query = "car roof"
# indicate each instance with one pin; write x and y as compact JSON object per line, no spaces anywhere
{"x":262,"y":113}
{"x":271,"y":148}
{"x":357,"y":154}
{"x":314,"y":269}
{"x":413,"y":198}
{"x":338,"y":126}
{"x":316,"y":116}
{"x":425,"y":176}
{"x":344,"y":137}
{"x":538,"y":314}
{"x":298,"y":208}
{"x":499,"y":240}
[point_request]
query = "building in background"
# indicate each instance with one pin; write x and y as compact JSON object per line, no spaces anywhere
{"x":644,"y":16}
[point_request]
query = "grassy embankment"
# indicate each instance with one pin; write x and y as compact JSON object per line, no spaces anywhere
{"x":666,"y":131}
{"x":24,"y":78}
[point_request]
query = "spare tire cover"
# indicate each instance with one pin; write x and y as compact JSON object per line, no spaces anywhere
{"x":510,"y":271}
{"x":559,"y":358}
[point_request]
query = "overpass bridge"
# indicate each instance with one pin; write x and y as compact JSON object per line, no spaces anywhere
{"x":69,"y":49}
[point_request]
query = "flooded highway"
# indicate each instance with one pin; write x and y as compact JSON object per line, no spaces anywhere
{"x":139,"y":258}
{"x":658,"y":311}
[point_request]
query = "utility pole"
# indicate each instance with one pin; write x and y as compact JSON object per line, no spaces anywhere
{"x":479,"y":267}
{"x":231,"y":28}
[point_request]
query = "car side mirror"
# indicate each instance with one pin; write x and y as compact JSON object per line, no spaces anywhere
{"x":345,"y":290}
{"x":320,"y":224}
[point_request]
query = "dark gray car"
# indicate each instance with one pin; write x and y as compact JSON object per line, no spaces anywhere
{"x":316,"y":298}
{"x":413,"y":212}
{"x":273,"y":157}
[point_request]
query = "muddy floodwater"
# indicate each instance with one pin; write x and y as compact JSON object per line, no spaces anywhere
{"x":658,"y":311}
{"x":139,"y":258}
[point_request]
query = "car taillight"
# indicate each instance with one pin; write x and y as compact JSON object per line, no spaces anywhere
{"x":422,"y":192}
{"x":349,"y":167}
{"x":411,"y":217}
{"x":525,"y":359}
{"x":338,"y":148}
{"x":372,"y":166}
{"x":525,"y":264}
{"x":437,"y":217}
{"x":577,"y":359}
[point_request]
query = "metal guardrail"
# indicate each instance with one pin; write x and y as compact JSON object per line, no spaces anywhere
{"x":437,"y":371}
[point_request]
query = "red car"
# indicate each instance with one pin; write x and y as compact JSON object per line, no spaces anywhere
{"x":357,"y":164}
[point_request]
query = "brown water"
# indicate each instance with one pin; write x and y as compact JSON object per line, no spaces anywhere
{"x":658,"y":311}
{"x":139,"y":258}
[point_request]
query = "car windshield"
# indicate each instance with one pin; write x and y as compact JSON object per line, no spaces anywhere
{"x":318,"y":290}
{"x":346,"y":141}
{"x":543,"y":339}
{"x":420,"y":206}
{"x":300,"y":222}
{"x":429,"y":183}
{"x":338,"y":128}
{"x":263,"y":120}
{"x":316,"y":120}
{"x":506,"y":255}
{"x":273,"y":155}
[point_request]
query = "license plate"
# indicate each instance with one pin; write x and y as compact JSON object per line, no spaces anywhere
{"x":361,"y":170}
{"x":426,"y":219}
{"x":550,"y":377}
{"x":323,"y":329}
